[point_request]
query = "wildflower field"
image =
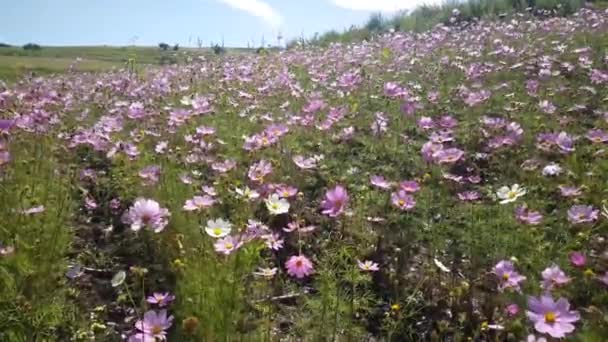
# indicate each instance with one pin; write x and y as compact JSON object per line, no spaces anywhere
{"x":440,"y":186}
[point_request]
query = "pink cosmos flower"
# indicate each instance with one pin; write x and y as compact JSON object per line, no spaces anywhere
{"x":403,"y":200}
{"x":380,"y":182}
{"x":150,"y":174}
{"x":161,"y":299}
{"x":368,"y":266}
{"x":512,"y":309}
{"x":304,"y":163}
{"x":259,"y":170}
{"x":299,"y":266}
{"x":335,"y":201}
{"x":569,"y":191}
{"x":597,"y":136}
{"x":551,"y":317}
{"x":469,"y":196}
{"x":426,"y":123}
{"x":198,"y":203}
{"x":153,"y":326}
{"x":526,"y":216}
{"x":409,"y":186}
{"x":286,"y":191}
{"x":273,"y":241}
{"x":553,"y":276}
{"x":577,"y":259}
{"x":507,"y":276}
{"x":227,"y":245}
{"x":582,"y":214}
{"x":147,"y":213}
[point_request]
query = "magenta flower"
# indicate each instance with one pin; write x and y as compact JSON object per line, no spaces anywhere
{"x":403,"y":200}
{"x":508,"y":277}
{"x":299,"y":266}
{"x":380,"y":182}
{"x":512,"y":309}
{"x":577,"y":259}
{"x":335,"y":201}
{"x":526,"y":216}
{"x":551,"y":317}
{"x":582,"y":214}
{"x":153,"y":326}
{"x":147,"y":213}
{"x":409,"y":186}
{"x":552,"y":277}
{"x":160,"y":299}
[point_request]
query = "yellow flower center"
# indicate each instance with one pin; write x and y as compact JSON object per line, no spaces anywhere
{"x":512,"y":194}
{"x":505,"y":277}
{"x":285,"y":193}
{"x":217,"y":231}
{"x":156,"y":330}
{"x":401,"y":202}
{"x":550,"y":317}
{"x":228,"y":245}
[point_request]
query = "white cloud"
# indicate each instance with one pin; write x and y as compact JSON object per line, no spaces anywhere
{"x":259,"y":9}
{"x":387,"y":6}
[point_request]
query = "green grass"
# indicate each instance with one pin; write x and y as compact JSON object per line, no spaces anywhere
{"x":16,"y":62}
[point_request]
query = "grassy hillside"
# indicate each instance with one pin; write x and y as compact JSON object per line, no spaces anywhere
{"x":450,"y":13}
{"x":16,"y":62}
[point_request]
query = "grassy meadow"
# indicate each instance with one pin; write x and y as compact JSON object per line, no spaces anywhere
{"x":444,"y":185}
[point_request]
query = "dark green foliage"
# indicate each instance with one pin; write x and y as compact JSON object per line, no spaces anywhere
{"x":31,"y":46}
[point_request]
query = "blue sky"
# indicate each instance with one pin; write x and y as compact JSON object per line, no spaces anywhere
{"x":148,"y":22}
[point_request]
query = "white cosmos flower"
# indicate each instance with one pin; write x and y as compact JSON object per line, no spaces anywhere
{"x":247,"y":193}
{"x":276,"y":205}
{"x":552,"y":169}
{"x":508,"y":195}
{"x":218,"y":228}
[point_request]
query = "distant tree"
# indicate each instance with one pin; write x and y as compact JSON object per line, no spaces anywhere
{"x":163,"y":46}
{"x":175,"y":47}
{"x":375,"y":22}
{"x":31,"y":46}
{"x":4,"y":45}
{"x":218,"y":50}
